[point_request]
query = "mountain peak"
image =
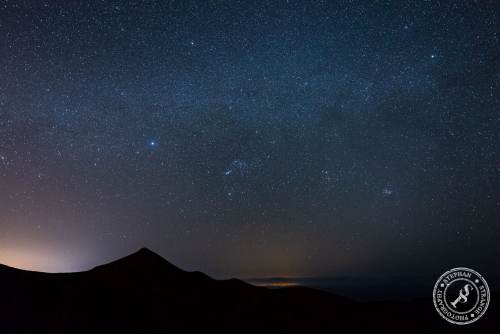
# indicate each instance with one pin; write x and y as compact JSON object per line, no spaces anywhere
{"x":145,"y":252}
{"x":142,"y":260}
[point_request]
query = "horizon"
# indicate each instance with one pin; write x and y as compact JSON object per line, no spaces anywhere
{"x":368,"y":288}
{"x":28,"y":267}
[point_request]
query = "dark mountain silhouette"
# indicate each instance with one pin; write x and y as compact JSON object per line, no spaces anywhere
{"x":144,"y":293}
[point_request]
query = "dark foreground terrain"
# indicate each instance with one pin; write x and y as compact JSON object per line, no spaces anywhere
{"x":143,"y":293}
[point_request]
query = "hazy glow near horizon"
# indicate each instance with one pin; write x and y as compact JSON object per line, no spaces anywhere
{"x":277,"y":284}
{"x":38,"y":259}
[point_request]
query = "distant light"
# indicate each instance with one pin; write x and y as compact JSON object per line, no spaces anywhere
{"x":152,"y":143}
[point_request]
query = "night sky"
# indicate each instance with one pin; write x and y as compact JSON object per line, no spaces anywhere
{"x":251,"y":138}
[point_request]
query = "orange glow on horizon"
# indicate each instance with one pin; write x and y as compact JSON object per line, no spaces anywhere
{"x":35,"y":259}
{"x":277,"y":284}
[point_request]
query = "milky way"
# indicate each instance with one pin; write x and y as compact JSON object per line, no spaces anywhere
{"x":248,"y":138}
